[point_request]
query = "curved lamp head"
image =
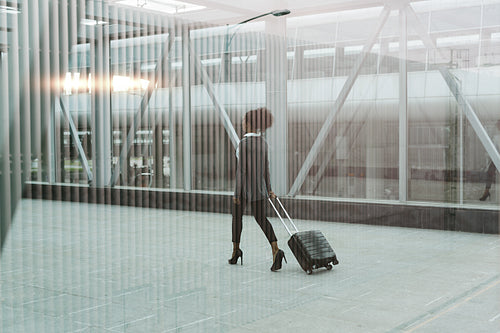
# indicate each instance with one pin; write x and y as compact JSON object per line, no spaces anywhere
{"x":229,"y":40}
{"x":281,"y":12}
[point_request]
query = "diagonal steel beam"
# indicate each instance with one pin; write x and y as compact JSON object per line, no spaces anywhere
{"x":403,"y":105}
{"x":454,"y":87}
{"x":329,"y":155}
{"x":339,"y":103}
{"x":471,"y":116}
{"x":74,"y":134}
{"x":142,"y":108}
{"x":207,"y":83}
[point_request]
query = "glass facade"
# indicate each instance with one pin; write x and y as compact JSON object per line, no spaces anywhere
{"x":122,"y":97}
{"x":376,"y":107}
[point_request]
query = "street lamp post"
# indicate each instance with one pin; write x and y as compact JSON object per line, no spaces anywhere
{"x":226,"y":61}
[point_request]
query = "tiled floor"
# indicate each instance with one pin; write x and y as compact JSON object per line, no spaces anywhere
{"x":72,"y":267}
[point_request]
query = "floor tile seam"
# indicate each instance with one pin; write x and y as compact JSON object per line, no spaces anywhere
{"x":87,"y":326}
{"x":176,"y":329}
{"x":319,"y":318}
{"x":21,"y":304}
{"x":156,"y":314}
{"x":290,"y":307}
{"x":60,"y":294}
{"x":446,"y":306}
{"x":130,"y":322}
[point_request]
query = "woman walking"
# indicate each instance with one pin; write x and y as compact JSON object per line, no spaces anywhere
{"x":491,"y":173}
{"x":253,"y":184}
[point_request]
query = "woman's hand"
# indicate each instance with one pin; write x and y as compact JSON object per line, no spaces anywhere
{"x":236,"y":201}
{"x":272,"y":195}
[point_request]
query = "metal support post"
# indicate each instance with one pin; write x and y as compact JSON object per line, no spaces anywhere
{"x":14,"y":120}
{"x":101,"y":107}
{"x":226,"y":60}
{"x":276,"y":101}
{"x":6,"y":210}
{"x":25,"y":95}
{"x":346,"y":89}
{"x":34,"y":84}
{"x":403,"y":107}
{"x":186,"y":109}
{"x":158,"y":153}
{"x":53,"y":141}
{"x":172,"y":137}
{"x":46,"y":97}
{"x":461,"y":155}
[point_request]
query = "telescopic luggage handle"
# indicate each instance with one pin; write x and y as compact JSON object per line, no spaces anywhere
{"x":286,"y":213}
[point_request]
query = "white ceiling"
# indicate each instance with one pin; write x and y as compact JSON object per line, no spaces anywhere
{"x":312,"y":21}
{"x":222,"y":12}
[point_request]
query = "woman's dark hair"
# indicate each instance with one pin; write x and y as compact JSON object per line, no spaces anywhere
{"x":260,"y":118}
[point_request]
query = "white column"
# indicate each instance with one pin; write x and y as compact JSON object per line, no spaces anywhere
{"x":101,"y":108}
{"x":276,"y":101}
{"x":374,"y":159}
{"x":403,"y":108}
{"x":186,"y":109}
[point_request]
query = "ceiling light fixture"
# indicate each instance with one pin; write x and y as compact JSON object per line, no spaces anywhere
{"x":92,"y":22}
{"x":9,"y":10}
{"x":164,"y":6}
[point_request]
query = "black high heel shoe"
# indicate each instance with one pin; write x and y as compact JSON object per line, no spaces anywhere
{"x":234,"y":259}
{"x":280,"y":255}
{"x":485,"y":196}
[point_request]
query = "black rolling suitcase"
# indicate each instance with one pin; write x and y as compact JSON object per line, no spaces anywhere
{"x":311,"y":248}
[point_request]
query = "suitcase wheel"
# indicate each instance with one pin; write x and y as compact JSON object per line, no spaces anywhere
{"x":329,"y":266}
{"x":309,"y":271}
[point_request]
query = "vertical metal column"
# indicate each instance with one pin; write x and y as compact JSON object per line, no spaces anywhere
{"x":101,"y":107}
{"x":25,"y":93}
{"x":35,"y":83}
{"x":6,"y":211}
{"x":172,"y":141}
{"x":60,"y":44}
{"x":53,"y":139}
{"x":14,"y":121}
{"x":276,"y":101}
{"x":186,"y":109}
{"x":339,"y":61}
{"x":481,"y":37}
{"x":158,"y":152}
{"x":46,"y":97}
{"x":55,"y":33}
{"x":403,"y":107}
{"x":226,"y":60}
{"x":461,"y":155}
